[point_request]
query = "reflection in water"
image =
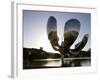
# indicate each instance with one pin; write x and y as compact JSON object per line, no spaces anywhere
{"x":56,"y":63}
{"x":77,"y":62}
{"x":51,"y":63}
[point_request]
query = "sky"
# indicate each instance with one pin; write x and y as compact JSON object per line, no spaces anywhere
{"x":35,"y":28}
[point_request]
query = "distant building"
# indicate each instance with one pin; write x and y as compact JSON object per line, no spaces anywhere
{"x":41,"y":48}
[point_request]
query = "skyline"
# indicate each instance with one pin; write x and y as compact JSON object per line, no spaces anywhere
{"x":35,"y":28}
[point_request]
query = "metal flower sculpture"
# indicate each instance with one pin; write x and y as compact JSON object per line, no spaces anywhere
{"x":71,"y":32}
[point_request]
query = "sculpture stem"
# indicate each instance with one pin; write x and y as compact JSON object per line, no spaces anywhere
{"x":62,"y":60}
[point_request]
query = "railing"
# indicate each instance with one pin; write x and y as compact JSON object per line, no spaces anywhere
{"x":60,"y":59}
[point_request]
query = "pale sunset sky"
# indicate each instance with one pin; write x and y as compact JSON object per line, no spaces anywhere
{"x":35,"y":28}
